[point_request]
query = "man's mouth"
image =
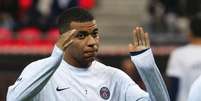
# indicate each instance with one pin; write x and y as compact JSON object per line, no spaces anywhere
{"x":90,"y":54}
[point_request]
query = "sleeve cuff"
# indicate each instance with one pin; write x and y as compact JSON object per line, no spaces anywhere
{"x":144,"y":60}
{"x":138,"y":52}
{"x":57,"y":52}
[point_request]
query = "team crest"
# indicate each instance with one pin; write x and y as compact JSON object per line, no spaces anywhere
{"x":105,"y":93}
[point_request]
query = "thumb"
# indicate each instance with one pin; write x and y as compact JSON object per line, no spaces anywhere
{"x":131,"y":48}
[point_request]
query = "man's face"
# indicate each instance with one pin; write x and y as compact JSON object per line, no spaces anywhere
{"x":85,"y":43}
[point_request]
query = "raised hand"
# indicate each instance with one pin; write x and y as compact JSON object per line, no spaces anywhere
{"x":140,"y":40}
{"x":66,"y":39}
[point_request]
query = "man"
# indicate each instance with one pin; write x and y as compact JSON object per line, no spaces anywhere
{"x":71,"y":73}
{"x":194,"y":94}
{"x":185,"y":62}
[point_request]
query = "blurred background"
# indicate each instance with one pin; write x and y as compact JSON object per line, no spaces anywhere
{"x":28,"y":30}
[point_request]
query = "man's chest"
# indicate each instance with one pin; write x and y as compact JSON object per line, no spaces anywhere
{"x":81,"y":89}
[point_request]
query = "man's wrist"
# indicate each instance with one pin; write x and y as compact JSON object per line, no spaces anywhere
{"x":138,"y":52}
{"x":57,"y":51}
{"x":58,"y":45}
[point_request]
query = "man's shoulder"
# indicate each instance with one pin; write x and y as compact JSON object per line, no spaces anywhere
{"x":39,"y":61}
{"x":35,"y":64}
{"x":186,"y":48}
{"x":181,"y":50}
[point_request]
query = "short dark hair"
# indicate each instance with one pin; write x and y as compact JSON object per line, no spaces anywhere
{"x":195,"y":25}
{"x":72,"y":14}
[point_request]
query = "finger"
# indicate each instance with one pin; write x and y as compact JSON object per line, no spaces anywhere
{"x":131,"y":48}
{"x":68,"y":36}
{"x":147,"y":41}
{"x":68,"y":44}
{"x":135,"y":40}
{"x":92,"y":27}
{"x":88,"y":27}
{"x":142,"y":36}
{"x":138,"y":36}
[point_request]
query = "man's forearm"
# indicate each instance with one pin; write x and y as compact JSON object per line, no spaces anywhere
{"x":34,"y":78}
{"x":151,"y":76}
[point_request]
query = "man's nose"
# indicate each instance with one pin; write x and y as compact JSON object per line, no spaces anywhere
{"x":91,"y":41}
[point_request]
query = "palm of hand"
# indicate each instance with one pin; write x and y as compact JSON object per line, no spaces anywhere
{"x":66,"y":39}
{"x":140,"y":40}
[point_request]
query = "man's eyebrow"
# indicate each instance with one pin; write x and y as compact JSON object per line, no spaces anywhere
{"x":95,"y":30}
{"x":83,"y":32}
{"x":86,"y":32}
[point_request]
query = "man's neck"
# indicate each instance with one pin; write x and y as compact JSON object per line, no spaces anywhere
{"x":70,"y":60}
{"x":196,"y":41}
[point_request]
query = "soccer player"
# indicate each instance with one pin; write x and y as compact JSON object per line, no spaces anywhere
{"x":195,"y":90}
{"x":71,"y":73}
{"x":185,"y":62}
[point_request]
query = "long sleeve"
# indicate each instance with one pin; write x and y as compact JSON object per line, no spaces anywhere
{"x":34,"y":77}
{"x":150,"y":75}
{"x":194,"y":94}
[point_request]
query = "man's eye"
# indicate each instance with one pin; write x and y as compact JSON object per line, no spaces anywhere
{"x":95,"y":34}
{"x":81,"y":35}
